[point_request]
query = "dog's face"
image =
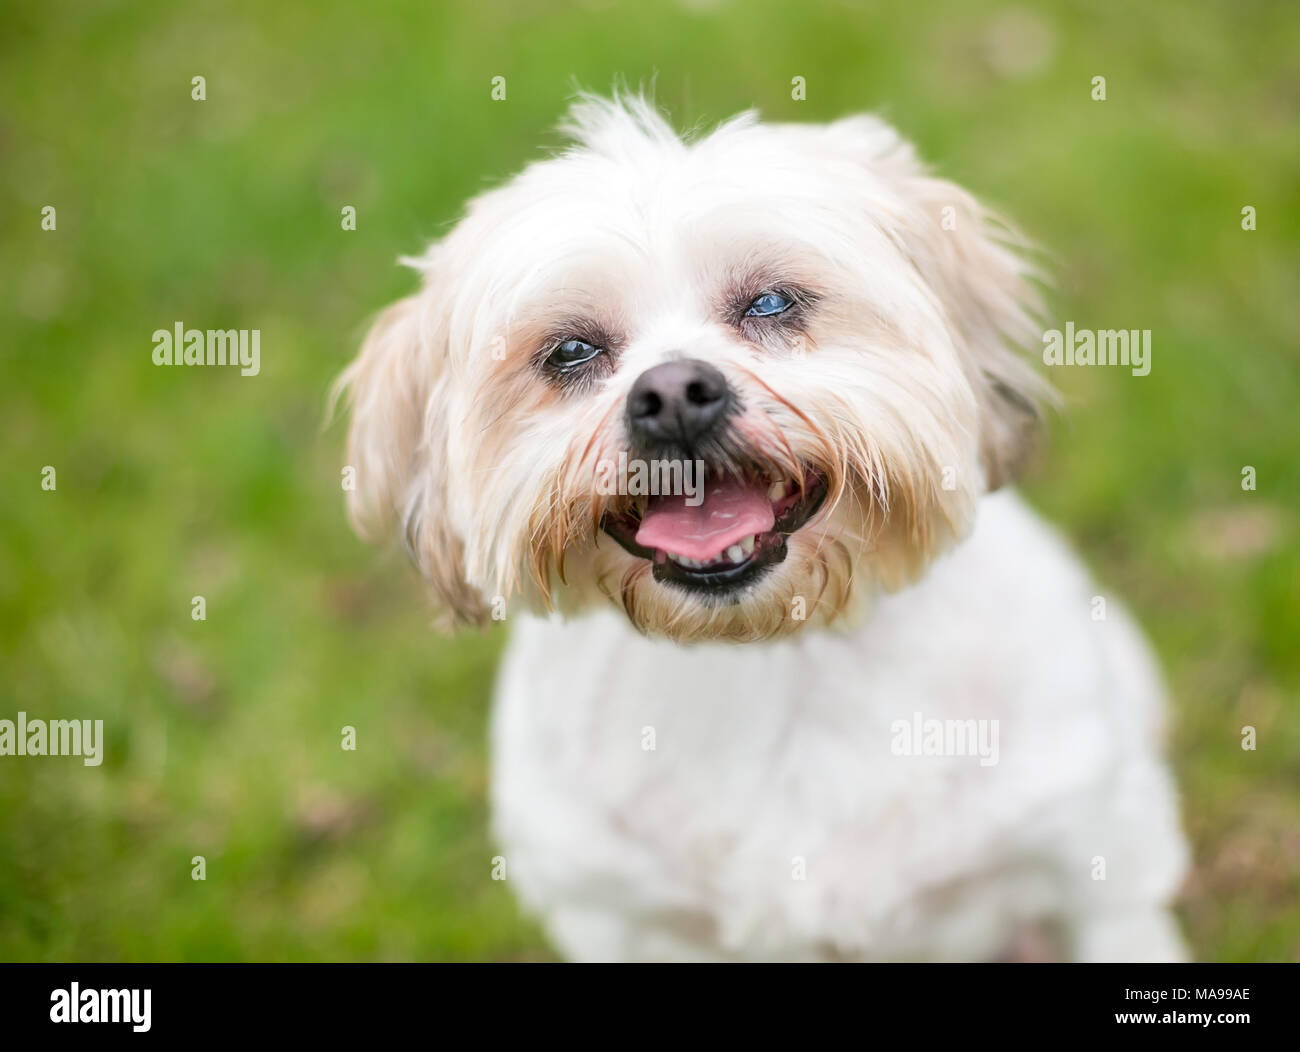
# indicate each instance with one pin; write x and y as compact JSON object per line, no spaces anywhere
{"x":800,"y":311}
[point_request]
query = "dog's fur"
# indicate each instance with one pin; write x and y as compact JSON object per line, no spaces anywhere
{"x":677,"y":776}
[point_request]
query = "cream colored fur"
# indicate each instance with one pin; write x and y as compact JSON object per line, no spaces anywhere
{"x":771,"y":715}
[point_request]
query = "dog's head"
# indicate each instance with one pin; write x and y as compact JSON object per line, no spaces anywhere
{"x":726,"y":384}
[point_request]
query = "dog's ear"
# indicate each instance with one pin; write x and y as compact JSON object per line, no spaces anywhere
{"x":397,"y":448}
{"x":978,"y":269}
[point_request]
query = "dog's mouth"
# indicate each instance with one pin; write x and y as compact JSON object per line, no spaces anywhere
{"x":725,"y":536}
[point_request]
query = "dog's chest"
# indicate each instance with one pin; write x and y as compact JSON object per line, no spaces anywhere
{"x":797,"y":790}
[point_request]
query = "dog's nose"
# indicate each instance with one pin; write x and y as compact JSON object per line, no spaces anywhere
{"x":679,"y":402}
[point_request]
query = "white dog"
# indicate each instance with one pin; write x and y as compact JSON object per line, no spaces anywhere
{"x":840,"y":703}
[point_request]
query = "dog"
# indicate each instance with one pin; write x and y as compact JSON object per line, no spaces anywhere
{"x":849,"y":700}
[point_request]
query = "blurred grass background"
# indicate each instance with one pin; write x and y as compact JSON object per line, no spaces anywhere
{"x":224,"y":735}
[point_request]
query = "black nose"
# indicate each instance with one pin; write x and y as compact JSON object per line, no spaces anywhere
{"x":678,"y":402}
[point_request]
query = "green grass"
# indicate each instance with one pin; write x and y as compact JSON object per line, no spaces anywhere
{"x":224,"y":735}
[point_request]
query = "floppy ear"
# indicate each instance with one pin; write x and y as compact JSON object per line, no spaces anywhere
{"x":977,"y":268}
{"x":397,"y":447}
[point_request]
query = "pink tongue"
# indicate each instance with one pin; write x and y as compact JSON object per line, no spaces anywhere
{"x":730,"y":510}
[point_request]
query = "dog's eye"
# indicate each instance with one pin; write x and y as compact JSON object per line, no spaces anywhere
{"x":769,"y":304}
{"x":571,"y":353}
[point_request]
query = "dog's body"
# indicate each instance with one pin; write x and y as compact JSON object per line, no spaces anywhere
{"x":714,"y":752}
{"x":658,"y":801}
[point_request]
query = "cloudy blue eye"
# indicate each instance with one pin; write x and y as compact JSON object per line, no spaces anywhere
{"x":769,"y":304}
{"x":571,"y":353}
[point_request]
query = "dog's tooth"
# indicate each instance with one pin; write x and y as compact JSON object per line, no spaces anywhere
{"x":735,"y":553}
{"x":747,"y":544}
{"x":777,"y":490}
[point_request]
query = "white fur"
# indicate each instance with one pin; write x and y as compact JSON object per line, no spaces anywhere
{"x":771,"y":819}
{"x":764,"y":755}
